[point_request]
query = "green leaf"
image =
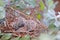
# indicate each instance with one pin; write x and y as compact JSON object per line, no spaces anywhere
{"x":31,"y":2}
{"x":2,"y":3}
{"x":17,"y":38}
{"x":39,"y":16}
{"x":2,"y":13}
{"x":27,"y":37}
{"x":6,"y":36}
{"x":42,"y":6}
{"x":21,"y":5}
{"x":52,"y":26}
{"x":50,"y":4}
{"x":1,"y":34}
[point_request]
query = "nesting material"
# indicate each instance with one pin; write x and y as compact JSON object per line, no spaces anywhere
{"x":22,"y":24}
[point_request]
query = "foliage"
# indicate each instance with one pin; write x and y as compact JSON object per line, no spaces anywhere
{"x":32,"y":3}
{"x":52,"y":26}
{"x":2,"y":10}
{"x":42,"y":6}
{"x":8,"y":36}
{"x":39,"y":16}
{"x":17,"y":38}
{"x":5,"y":36}
{"x":27,"y":37}
{"x":2,"y":3}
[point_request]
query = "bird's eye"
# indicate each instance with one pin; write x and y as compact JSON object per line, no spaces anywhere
{"x":16,"y":27}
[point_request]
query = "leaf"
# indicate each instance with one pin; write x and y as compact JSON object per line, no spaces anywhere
{"x":42,"y":6}
{"x":52,"y":26}
{"x":1,"y":34}
{"x":32,"y":3}
{"x":2,"y":3}
{"x":17,"y":38}
{"x":2,"y":13}
{"x":50,"y":4}
{"x":39,"y":16}
{"x":21,"y":5}
{"x":6,"y":36}
{"x":27,"y":37}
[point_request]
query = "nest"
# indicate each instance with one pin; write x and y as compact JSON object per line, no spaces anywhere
{"x":20,"y":24}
